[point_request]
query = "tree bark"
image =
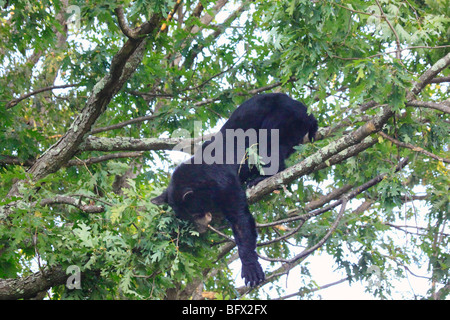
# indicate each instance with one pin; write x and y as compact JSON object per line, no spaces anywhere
{"x":30,"y":286}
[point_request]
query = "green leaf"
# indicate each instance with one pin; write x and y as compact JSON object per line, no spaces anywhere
{"x":116,"y":212}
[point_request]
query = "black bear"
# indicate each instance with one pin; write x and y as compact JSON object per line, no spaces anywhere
{"x":212,"y":180}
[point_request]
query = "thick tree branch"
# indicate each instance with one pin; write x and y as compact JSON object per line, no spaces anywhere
{"x":431,"y":105}
{"x":29,"y":287}
{"x":130,"y":33}
{"x":347,"y":153}
{"x":440,"y":80}
{"x":11,"y":160}
{"x":428,"y":76}
{"x":129,"y":144}
{"x":88,"y":208}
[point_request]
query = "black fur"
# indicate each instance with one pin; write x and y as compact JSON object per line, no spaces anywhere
{"x":196,"y":190}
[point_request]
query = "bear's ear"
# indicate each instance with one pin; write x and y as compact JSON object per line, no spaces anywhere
{"x":161,"y":199}
{"x":188,"y":194}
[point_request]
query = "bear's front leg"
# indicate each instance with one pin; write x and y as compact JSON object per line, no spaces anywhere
{"x":244,"y":231}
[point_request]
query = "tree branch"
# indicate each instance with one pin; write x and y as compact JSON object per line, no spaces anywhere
{"x":288,"y":264}
{"x":206,"y":20}
{"x":14,"y":102}
{"x":333,"y":195}
{"x":131,"y":34}
{"x":398,"y":54}
{"x":106,"y":157}
{"x":28,"y":287}
{"x":428,"y":104}
{"x":444,"y":79}
{"x":303,"y":292}
{"x":413,"y":148}
{"x":349,"y":196}
{"x":170,"y":16}
{"x":428,"y":76}
{"x":123,"y":124}
{"x":440,"y":80}
{"x":130,"y":144}
{"x":356,"y":11}
{"x":10,"y":160}
{"x":88,"y":208}
{"x":322,"y":241}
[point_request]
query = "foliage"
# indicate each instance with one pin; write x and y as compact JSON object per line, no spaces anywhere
{"x":347,"y":60}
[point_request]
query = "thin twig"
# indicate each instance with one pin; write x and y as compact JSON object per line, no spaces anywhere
{"x":303,"y":292}
{"x":106,"y":157}
{"x":395,"y":51}
{"x":322,"y":241}
{"x":356,"y":11}
{"x":398,"y":54}
{"x":221,"y":233}
{"x":349,"y":196}
{"x":14,"y":102}
{"x":413,"y":148}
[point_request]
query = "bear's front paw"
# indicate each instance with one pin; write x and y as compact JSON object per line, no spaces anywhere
{"x":252,"y":274}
